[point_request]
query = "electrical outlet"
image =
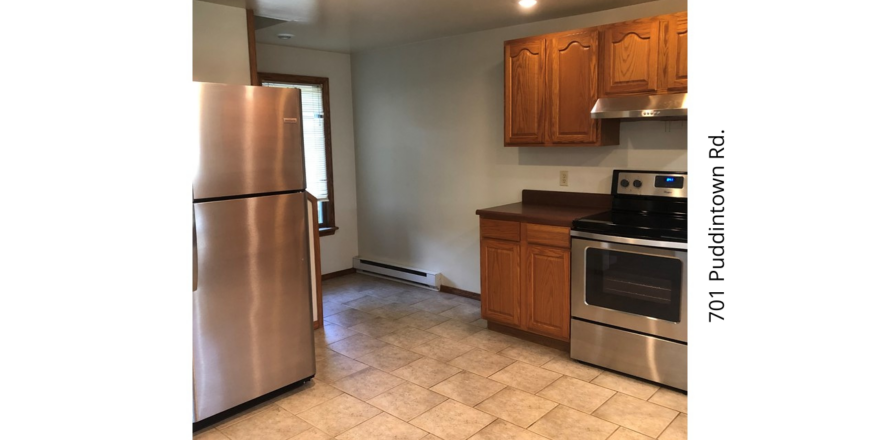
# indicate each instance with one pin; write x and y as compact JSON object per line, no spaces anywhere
{"x":563,"y":178}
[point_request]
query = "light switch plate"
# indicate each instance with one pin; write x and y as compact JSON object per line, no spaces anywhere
{"x":563,"y":178}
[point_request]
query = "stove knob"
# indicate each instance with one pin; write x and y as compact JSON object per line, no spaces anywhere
{"x":624,"y":183}
{"x":637,"y":183}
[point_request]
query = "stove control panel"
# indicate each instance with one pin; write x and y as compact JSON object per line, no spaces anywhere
{"x":650,"y":183}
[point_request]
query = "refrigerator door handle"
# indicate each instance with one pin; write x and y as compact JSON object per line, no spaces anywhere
{"x":195,"y":273}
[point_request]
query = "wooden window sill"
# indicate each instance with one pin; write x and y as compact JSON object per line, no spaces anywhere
{"x":327,"y":231}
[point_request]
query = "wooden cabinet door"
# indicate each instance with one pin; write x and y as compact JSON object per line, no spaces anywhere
{"x":674,"y":61}
{"x":500,"y":281}
{"x":524,"y":92}
{"x":573,"y":75}
{"x":546,"y":290}
{"x":629,"y":58}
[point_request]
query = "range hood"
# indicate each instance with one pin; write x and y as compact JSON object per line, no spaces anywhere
{"x":672,"y":106}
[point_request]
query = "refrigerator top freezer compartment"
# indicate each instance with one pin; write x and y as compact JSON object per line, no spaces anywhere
{"x":249,"y":141}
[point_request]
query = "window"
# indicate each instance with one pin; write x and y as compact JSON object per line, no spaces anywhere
{"x":316,"y":138}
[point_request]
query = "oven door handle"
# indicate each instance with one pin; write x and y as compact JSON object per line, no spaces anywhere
{"x":633,"y":241}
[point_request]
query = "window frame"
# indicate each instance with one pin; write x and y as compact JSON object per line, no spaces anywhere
{"x":329,"y":214}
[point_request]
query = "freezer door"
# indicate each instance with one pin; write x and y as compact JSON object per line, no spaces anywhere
{"x":249,"y":140}
{"x":252,"y":315}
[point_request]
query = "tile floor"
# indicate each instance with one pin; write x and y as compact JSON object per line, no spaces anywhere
{"x":400,"y":362}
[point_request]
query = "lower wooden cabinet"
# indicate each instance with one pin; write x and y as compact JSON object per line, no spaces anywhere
{"x":499,"y":265}
{"x":525,"y":270}
{"x":546,"y":290}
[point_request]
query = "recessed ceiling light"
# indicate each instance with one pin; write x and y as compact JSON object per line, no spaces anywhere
{"x":527,"y":3}
{"x":289,"y":36}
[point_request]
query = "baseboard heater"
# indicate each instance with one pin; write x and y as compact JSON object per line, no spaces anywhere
{"x":409,"y":275}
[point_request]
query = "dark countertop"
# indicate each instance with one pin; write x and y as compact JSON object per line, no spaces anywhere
{"x":554,"y":208}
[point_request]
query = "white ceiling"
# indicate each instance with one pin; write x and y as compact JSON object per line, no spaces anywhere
{"x":353,"y":25}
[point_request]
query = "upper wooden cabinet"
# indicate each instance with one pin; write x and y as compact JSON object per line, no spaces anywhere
{"x":630,"y":55}
{"x":524,"y":92}
{"x":645,"y":56}
{"x":551,"y":84}
{"x":573,"y":89}
{"x":674,"y":46}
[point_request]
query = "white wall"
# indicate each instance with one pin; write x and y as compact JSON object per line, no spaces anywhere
{"x":429,"y":124}
{"x":336,"y":250}
{"x":220,"y":44}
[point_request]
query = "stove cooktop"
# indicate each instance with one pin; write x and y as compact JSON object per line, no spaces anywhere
{"x":635,"y":225}
{"x":645,"y":204}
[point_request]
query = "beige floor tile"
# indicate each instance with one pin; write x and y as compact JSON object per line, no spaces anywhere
{"x":577,"y":394}
{"x":452,"y":420}
{"x":502,"y":430}
{"x":410,"y":297}
{"x":368,"y":383}
{"x":465,"y":313}
{"x":322,"y":350}
{"x":331,"y":308}
{"x":367,"y":303}
{"x":308,"y":396}
{"x":626,"y":385}
{"x":431,"y":437}
{"x":422,"y":320}
{"x":525,"y":377}
{"x":436,"y":306}
{"x":210,"y":434}
{"x":313,"y":434}
{"x":670,"y":399}
{"x":389,"y":358}
{"x":272,"y":424}
{"x":383,"y":426}
{"x":339,"y":414}
{"x":357,"y":345}
{"x":490,"y":341}
{"x":480,"y":323}
{"x":407,"y":401}
{"x":377,"y":327}
{"x":636,"y":414}
{"x":349,"y":317}
{"x":564,"y":423}
{"x":516,"y":406}
{"x":626,"y":434}
{"x":442,"y":349}
{"x":394,"y":311}
{"x":342,"y":296}
{"x":677,"y":430}
{"x":481,"y":362}
{"x":573,"y":368}
{"x":384,"y":290}
{"x":335,"y":366}
{"x":455,"y":330}
{"x":426,"y":372}
{"x":243,"y":415}
{"x":466,"y":301}
{"x":408,"y":337}
{"x":527,"y":354}
{"x":468,"y":388}
{"x":331,"y":333}
{"x":540,"y":348}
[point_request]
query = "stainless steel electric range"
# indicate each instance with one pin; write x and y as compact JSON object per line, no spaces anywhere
{"x":629,"y":279}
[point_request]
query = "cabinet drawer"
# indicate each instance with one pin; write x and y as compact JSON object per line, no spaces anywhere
{"x":547,"y":235}
{"x":500,"y":229}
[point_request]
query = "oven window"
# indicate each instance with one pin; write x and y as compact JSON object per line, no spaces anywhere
{"x":635,"y":283}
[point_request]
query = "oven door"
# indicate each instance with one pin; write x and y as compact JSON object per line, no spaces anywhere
{"x":631,"y":286}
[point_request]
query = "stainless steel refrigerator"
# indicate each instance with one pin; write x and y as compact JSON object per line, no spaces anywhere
{"x":252,"y":313}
